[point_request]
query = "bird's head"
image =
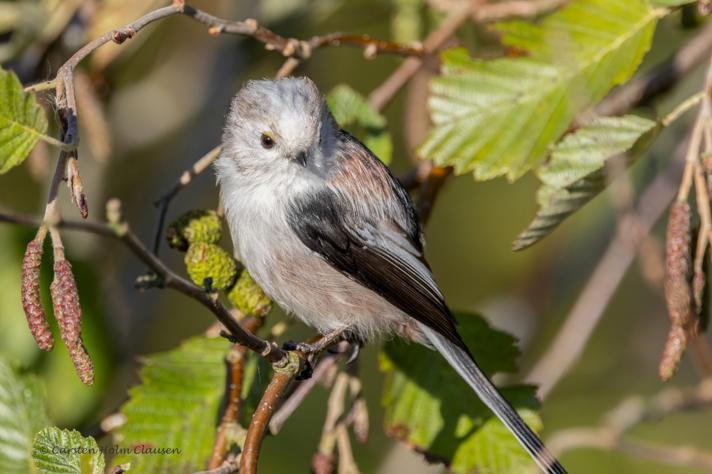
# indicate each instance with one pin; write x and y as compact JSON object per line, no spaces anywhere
{"x":276,"y":125}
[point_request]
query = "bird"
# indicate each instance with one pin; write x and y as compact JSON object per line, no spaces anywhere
{"x":330,"y":235}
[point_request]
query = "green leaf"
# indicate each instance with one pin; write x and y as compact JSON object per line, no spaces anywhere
{"x":22,"y":121}
{"x":671,"y":3}
{"x":22,"y":415}
{"x":177,"y":406}
{"x":574,"y":175}
{"x":499,"y":117}
{"x":430,"y":408}
{"x":353,"y":113}
{"x":58,"y":451}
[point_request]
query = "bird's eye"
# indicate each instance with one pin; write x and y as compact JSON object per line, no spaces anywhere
{"x":267,"y":141}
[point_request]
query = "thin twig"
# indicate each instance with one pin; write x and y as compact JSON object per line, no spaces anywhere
{"x":334,"y":412}
{"x":611,"y":433}
{"x":235,"y":364}
{"x":430,"y":188}
{"x":169,"y":278}
{"x":185,"y":179}
{"x":383,"y":94}
{"x":226,"y":468}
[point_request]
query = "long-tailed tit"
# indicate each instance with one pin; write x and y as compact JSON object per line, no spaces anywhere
{"x":331,"y":236}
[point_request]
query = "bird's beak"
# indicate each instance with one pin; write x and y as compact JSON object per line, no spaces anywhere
{"x":301,"y":158}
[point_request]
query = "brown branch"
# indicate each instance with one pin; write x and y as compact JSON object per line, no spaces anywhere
{"x":294,"y":400}
{"x":370,"y":46}
{"x":235,"y":364}
{"x":611,"y":433}
{"x":228,"y":467}
{"x":168,"y":278}
{"x":383,"y":94}
{"x":268,"y":404}
{"x":430,"y":188}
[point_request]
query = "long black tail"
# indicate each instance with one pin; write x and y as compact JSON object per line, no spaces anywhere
{"x":463,"y":363}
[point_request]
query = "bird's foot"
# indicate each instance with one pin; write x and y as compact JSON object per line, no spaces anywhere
{"x":303,"y":347}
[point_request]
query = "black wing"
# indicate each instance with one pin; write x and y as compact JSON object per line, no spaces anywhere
{"x":379,"y":256}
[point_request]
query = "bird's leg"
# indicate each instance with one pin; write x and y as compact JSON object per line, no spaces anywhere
{"x":324,"y":342}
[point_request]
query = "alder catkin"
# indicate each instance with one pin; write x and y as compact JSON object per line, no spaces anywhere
{"x":678,"y":294}
{"x":68,"y":312}
{"x":82,"y":363}
{"x":322,"y":464}
{"x":65,"y":299}
{"x":31,"y":304}
{"x":672,"y":352}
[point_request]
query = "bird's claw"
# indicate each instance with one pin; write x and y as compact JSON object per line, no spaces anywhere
{"x":303,"y":347}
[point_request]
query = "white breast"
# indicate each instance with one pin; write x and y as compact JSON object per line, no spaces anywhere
{"x":295,"y":277}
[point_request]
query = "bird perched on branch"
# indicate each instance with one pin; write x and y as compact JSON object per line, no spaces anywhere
{"x":332,"y":237}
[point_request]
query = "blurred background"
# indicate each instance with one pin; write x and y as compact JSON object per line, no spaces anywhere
{"x":164,"y":95}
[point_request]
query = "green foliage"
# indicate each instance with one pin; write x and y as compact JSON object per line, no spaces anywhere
{"x":22,"y":415}
{"x":210,"y":266}
{"x":500,"y":117}
{"x":22,"y":121}
{"x":671,"y":3}
{"x":430,"y":407}
{"x":574,"y":175}
{"x":406,"y":21}
{"x":199,"y":225}
{"x":353,"y":112}
{"x":58,"y":451}
{"x":177,"y":406}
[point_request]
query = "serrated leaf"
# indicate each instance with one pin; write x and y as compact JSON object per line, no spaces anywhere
{"x":431,"y":409}
{"x":587,"y":149}
{"x":22,"y":415}
{"x":177,"y":406}
{"x":574,"y":174}
{"x":58,"y":451}
{"x":353,"y":113}
{"x":22,"y":121}
{"x":499,"y":117}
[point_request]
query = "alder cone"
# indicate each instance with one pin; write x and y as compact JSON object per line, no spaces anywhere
{"x":31,"y":304}
{"x":678,"y":294}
